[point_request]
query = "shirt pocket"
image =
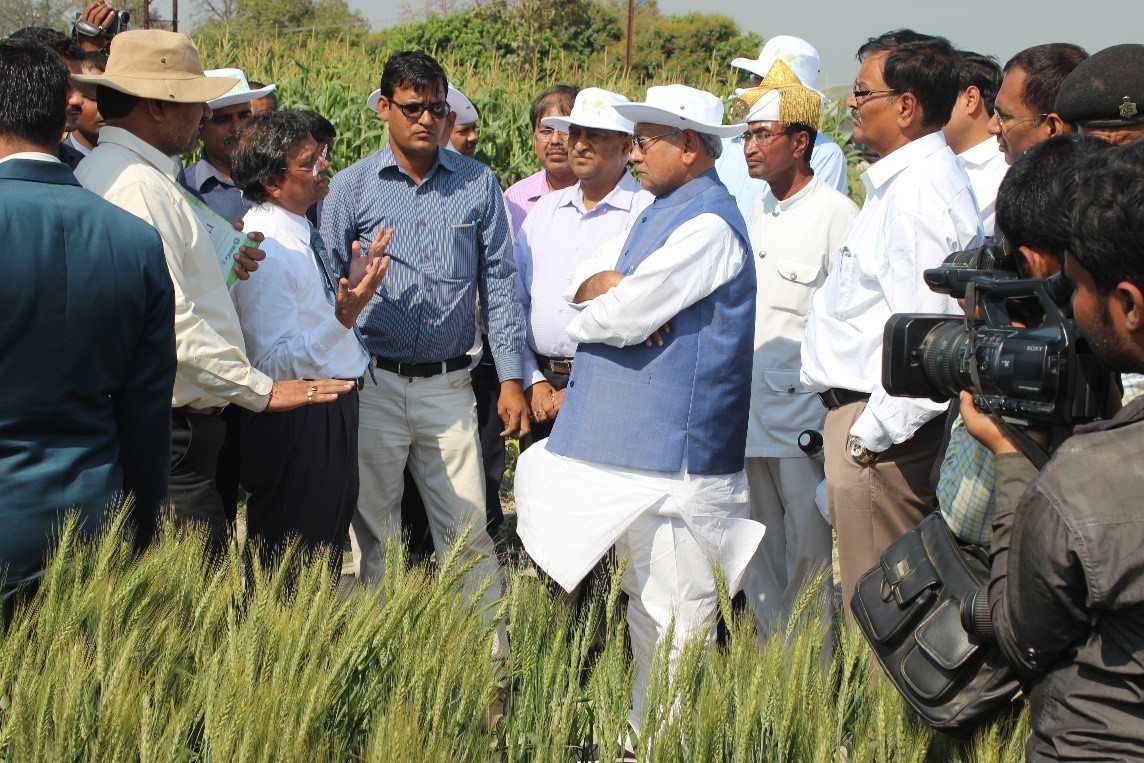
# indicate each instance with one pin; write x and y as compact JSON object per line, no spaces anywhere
{"x":793,"y":289}
{"x":461,"y":260}
{"x":840,"y":286}
{"x":784,"y":380}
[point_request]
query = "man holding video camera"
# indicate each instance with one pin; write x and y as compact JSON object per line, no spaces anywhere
{"x":1066,"y":598}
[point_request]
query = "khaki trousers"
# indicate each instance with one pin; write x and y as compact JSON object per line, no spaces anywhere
{"x":872,"y":505}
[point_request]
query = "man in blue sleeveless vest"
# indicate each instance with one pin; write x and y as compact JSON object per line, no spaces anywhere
{"x":647,"y":453}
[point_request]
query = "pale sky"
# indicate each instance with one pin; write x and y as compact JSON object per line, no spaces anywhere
{"x":837,"y":27}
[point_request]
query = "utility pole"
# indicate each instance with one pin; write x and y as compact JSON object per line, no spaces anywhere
{"x":628,"y":46}
{"x":146,"y":14}
{"x":174,"y":15}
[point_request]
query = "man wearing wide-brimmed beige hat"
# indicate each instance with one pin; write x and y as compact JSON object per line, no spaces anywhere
{"x":153,"y":98}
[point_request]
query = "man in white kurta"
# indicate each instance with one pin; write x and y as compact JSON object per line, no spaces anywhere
{"x":620,"y":469}
{"x":796,"y":229}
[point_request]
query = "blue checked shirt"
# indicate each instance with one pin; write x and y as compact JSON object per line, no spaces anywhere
{"x":965,"y":487}
{"x":451,"y":243}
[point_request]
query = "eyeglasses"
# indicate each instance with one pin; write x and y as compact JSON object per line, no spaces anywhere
{"x":643,"y":143}
{"x":1004,"y":119}
{"x":437,"y":109}
{"x":546,"y":134}
{"x":321,"y":161}
{"x":863,"y":93}
{"x":761,"y":137}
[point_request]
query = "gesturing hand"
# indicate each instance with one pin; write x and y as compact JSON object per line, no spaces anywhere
{"x":366,"y":274}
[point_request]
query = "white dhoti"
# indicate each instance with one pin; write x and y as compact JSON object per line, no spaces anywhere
{"x":673,"y":529}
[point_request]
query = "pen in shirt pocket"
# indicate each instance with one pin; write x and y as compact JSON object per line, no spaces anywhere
{"x":469,"y":224}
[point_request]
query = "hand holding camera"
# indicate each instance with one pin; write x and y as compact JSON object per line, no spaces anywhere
{"x":97,"y":23}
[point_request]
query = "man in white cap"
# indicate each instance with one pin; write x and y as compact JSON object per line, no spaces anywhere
{"x":464,"y":136}
{"x":796,"y":229}
{"x":153,"y":97}
{"x":564,"y":229}
{"x":209,"y":178}
{"x":826,"y":158}
{"x":647,"y":453}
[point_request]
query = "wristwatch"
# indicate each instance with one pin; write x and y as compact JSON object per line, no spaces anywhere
{"x":858,"y":451}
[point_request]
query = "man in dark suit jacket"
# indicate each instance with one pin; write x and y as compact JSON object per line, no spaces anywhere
{"x":87,"y":348}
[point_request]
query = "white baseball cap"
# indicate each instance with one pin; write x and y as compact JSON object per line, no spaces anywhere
{"x":240,"y":93}
{"x":795,"y":52}
{"x":458,"y":102}
{"x":681,"y":107}
{"x":594,"y":109}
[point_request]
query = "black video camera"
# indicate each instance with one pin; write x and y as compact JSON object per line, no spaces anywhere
{"x":1024,"y":356}
{"x":120,"y":22}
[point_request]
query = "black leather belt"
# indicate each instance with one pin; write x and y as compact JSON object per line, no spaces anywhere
{"x":422,"y":370}
{"x":555,"y":365}
{"x":359,"y":382}
{"x":186,"y":409}
{"x":838,"y":397}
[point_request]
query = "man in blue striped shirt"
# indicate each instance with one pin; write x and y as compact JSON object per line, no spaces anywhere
{"x":451,"y":248}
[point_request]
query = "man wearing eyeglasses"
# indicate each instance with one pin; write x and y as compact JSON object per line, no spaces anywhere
{"x":647,"y":452}
{"x":879,"y":450}
{"x":1024,"y":113}
{"x":451,"y":246}
{"x":563,"y":230}
{"x":796,"y":228}
{"x":551,"y":147}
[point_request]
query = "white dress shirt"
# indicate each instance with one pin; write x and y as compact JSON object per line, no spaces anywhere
{"x":986,"y":168}
{"x":80,"y":148}
{"x":287,"y":311}
{"x":698,"y":257}
{"x":557,"y":235}
{"x":919,"y":209}
{"x":794,"y":244}
{"x":213,"y":368}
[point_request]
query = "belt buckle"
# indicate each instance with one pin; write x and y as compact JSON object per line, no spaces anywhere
{"x":401,"y":369}
{"x":561,"y":367}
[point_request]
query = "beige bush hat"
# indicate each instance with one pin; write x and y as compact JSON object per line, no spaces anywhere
{"x":154,"y":63}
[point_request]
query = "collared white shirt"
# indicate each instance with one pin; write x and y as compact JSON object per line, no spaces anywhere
{"x":558,"y":235}
{"x":794,"y":244}
{"x":287,"y":311}
{"x":698,"y":257}
{"x":985,"y":165}
{"x":34,"y":156}
{"x":919,"y":209}
{"x":213,"y":368}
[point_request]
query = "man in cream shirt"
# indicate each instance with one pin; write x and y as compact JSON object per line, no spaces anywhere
{"x":796,"y":229}
{"x":153,"y":98}
{"x":919,"y":208}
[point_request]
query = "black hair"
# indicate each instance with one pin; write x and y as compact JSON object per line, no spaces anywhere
{"x":1108,"y":216}
{"x":811,"y":136}
{"x":114,"y":104}
{"x":262,"y":149}
{"x":321,"y":128}
{"x":981,"y":72}
{"x":97,"y":58}
{"x":923,"y":65}
{"x":64,"y":46}
{"x":1046,"y":66}
{"x":557,"y":95}
{"x":884,"y":43}
{"x":272,"y":95}
{"x":33,"y":99}
{"x":1036,"y":193}
{"x":415,"y":70}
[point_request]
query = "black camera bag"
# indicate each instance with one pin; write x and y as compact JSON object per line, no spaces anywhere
{"x":909,"y":609}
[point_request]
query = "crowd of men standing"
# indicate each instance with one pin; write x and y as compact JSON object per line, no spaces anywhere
{"x":663,"y":347}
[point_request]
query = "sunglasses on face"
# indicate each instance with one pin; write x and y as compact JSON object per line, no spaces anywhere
{"x":437,"y":109}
